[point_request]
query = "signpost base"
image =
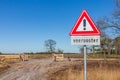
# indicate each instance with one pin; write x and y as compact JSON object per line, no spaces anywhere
{"x":85,"y":63}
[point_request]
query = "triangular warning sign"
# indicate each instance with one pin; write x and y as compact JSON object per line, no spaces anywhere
{"x":84,"y":26}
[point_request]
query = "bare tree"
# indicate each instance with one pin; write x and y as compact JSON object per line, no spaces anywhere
{"x":117,"y":45}
{"x":106,"y":41}
{"x":112,"y":23}
{"x":50,"y":45}
{"x":81,"y":49}
{"x":115,"y":21}
{"x":60,"y":51}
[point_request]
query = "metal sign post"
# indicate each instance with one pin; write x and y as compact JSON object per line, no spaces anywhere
{"x":85,"y":63}
{"x":85,"y":32}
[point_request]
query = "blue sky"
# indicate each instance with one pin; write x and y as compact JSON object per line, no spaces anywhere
{"x":26,"y":24}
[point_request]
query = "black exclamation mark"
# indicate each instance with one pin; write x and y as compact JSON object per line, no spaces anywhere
{"x":84,"y":24}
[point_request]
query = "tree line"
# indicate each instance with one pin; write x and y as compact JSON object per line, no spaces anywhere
{"x":110,"y":29}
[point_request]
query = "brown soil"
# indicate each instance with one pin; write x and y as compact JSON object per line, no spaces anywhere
{"x":47,"y":69}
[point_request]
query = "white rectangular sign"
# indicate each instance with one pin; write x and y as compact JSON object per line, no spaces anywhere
{"x":85,"y":40}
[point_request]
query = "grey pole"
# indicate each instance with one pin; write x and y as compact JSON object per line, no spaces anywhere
{"x":85,"y":64}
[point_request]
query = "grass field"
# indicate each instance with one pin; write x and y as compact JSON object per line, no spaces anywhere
{"x":96,"y":70}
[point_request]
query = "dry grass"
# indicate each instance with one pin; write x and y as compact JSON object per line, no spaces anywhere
{"x":10,"y":56}
{"x":73,"y":55}
{"x":10,"y":59}
{"x":98,"y":74}
{"x":39,"y":56}
{"x":103,"y":74}
{"x":6,"y":61}
{"x":3,"y":67}
{"x":96,"y":71}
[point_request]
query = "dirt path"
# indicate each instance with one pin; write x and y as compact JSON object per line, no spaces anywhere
{"x":33,"y":69}
{"x":29,"y":70}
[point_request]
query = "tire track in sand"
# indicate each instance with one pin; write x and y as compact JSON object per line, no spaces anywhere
{"x":29,"y":70}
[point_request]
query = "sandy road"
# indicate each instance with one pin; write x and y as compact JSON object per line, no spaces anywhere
{"x":29,"y":70}
{"x":34,"y":69}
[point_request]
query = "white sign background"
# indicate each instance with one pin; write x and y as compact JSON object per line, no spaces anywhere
{"x":85,"y":40}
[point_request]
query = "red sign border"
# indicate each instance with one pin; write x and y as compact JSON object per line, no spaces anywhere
{"x":74,"y":31}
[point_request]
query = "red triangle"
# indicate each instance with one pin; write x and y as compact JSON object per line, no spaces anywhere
{"x":95,"y":30}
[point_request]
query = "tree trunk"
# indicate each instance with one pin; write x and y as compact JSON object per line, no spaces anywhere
{"x":116,"y":50}
{"x":109,"y":49}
